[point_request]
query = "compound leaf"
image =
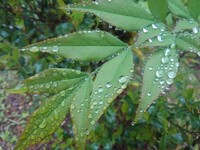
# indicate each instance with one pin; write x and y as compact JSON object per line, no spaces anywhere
{"x":79,"y":113}
{"x":83,"y":45}
{"x":110,"y":81}
{"x":50,"y":81}
{"x":159,"y":73}
{"x":158,"y":8}
{"x":48,"y":117}
{"x":124,"y":14}
{"x":177,"y":7}
{"x":193,"y":6}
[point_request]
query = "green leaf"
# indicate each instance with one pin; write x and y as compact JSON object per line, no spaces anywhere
{"x":185,"y":25}
{"x":50,"y":81}
{"x":188,"y":42}
{"x":177,"y":7}
{"x":158,"y":8}
{"x":83,"y":45}
{"x":126,"y":14}
{"x":154,"y":35}
{"x":47,"y":118}
{"x":193,"y":6}
{"x":110,"y":81}
{"x":159,"y":73}
{"x":79,"y":113}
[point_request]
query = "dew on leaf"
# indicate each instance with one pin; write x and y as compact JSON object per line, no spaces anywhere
{"x":122,"y":79}
{"x":72,"y":106}
{"x":159,"y":73}
{"x":145,"y":30}
{"x":195,"y":30}
{"x":167,"y":52}
{"x":149,"y":94}
{"x":55,"y":48}
{"x":171,"y":74}
{"x":62,"y":93}
{"x":34,"y":49}
{"x":92,"y":122}
{"x":154,"y":26}
{"x":108,"y":85}
{"x":43,"y":124}
{"x":165,"y":60}
{"x":150,"y":68}
{"x":159,"y":37}
{"x":169,"y":81}
{"x":150,"y":41}
{"x":100,"y":89}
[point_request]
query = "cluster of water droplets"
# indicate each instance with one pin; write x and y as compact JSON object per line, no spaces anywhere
{"x":166,"y":71}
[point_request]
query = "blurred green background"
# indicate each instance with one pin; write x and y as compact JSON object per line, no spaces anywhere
{"x":171,"y":123}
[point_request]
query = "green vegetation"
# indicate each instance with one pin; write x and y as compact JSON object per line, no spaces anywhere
{"x":82,"y":64}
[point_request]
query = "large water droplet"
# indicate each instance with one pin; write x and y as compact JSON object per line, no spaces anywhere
{"x":122,"y":79}
{"x":171,"y":74}
{"x":150,"y":68}
{"x":165,"y":60}
{"x":145,"y":30}
{"x":55,"y":48}
{"x":34,"y":49}
{"x":43,"y":124}
{"x":100,"y":89}
{"x":159,"y":73}
{"x":154,"y":26}
{"x":159,"y":37}
{"x":195,"y":30}
{"x":149,"y":94}
{"x":167,"y":52}
{"x":169,"y":81}
{"x":108,"y":85}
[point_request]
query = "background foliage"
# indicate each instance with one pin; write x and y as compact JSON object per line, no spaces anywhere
{"x":172,"y":123}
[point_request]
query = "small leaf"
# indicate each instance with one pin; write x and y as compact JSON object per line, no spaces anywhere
{"x":79,"y":113}
{"x":185,"y":24}
{"x":159,"y":73}
{"x":159,"y":8}
{"x":126,"y":15}
{"x":193,"y":6}
{"x":47,"y":118}
{"x":177,"y":7}
{"x":83,"y":45}
{"x":51,"y":81}
{"x":188,"y":42}
{"x":110,"y":81}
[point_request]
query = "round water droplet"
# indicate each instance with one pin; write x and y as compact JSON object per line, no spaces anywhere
{"x":150,"y":68}
{"x":92,"y":122}
{"x":159,"y":73}
{"x":159,"y":37}
{"x":167,"y":52}
{"x":62,"y":93}
{"x":154,"y":26}
{"x":122,"y":79}
{"x":55,"y":48}
{"x":34,"y":49}
{"x":198,"y":53}
{"x":145,"y":30}
{"x":132,"y":123}
{"x":100,"y":89}
{"x":55,"y":84}
{"x":195,"y":30}
{"x":169,"y":81}
{"x":171,"y":74}
{"x":72,"y":106}
{"x":165,"y":60}
{"x":162,"y":82}
{"x":100,"y":102}
{"x":108,"y":85}
{"x":43,"y":124}
{"x":150,"y":41}
{"x":149,"y":94}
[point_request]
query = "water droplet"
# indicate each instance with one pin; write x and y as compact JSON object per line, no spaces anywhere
{"x":159,"y":73}
{"x":162,"y":82}
{"x":34,"y":49}
{"x":55,"y":84}
{"x":167,"y":52}
{"x":100,"y":89}
{"x":165,"y":60}
{"x":145,"y":30}
{"x":122,"y":79}
{"x":149,"y":94}
{"x":154,"y":26}
{"x":171,"y":74}
{"x":72,"y":106}
{"x":55,"y":48}
{"x":43,"y":124}
{"x":150,"y":41}
{"x":150,"y":68}
{"x":198,"y":53}
{"x":169,"y":81}
{"x":108,"y":85}
{"x":62,"y":93}
{"x":133,"y":123}
{"x":100,"y":102}
{"x":92,"y":122}
{"x":159,"y":38}
{"x":195,"y":30}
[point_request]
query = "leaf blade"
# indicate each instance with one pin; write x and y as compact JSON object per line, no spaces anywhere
{"x":158,"y":8}
{"x":86,"y":45}
{"x":110,"y":82}
{"x":117,"y":12}
{"x":193,"y":6}
{"x":159,"y":73}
